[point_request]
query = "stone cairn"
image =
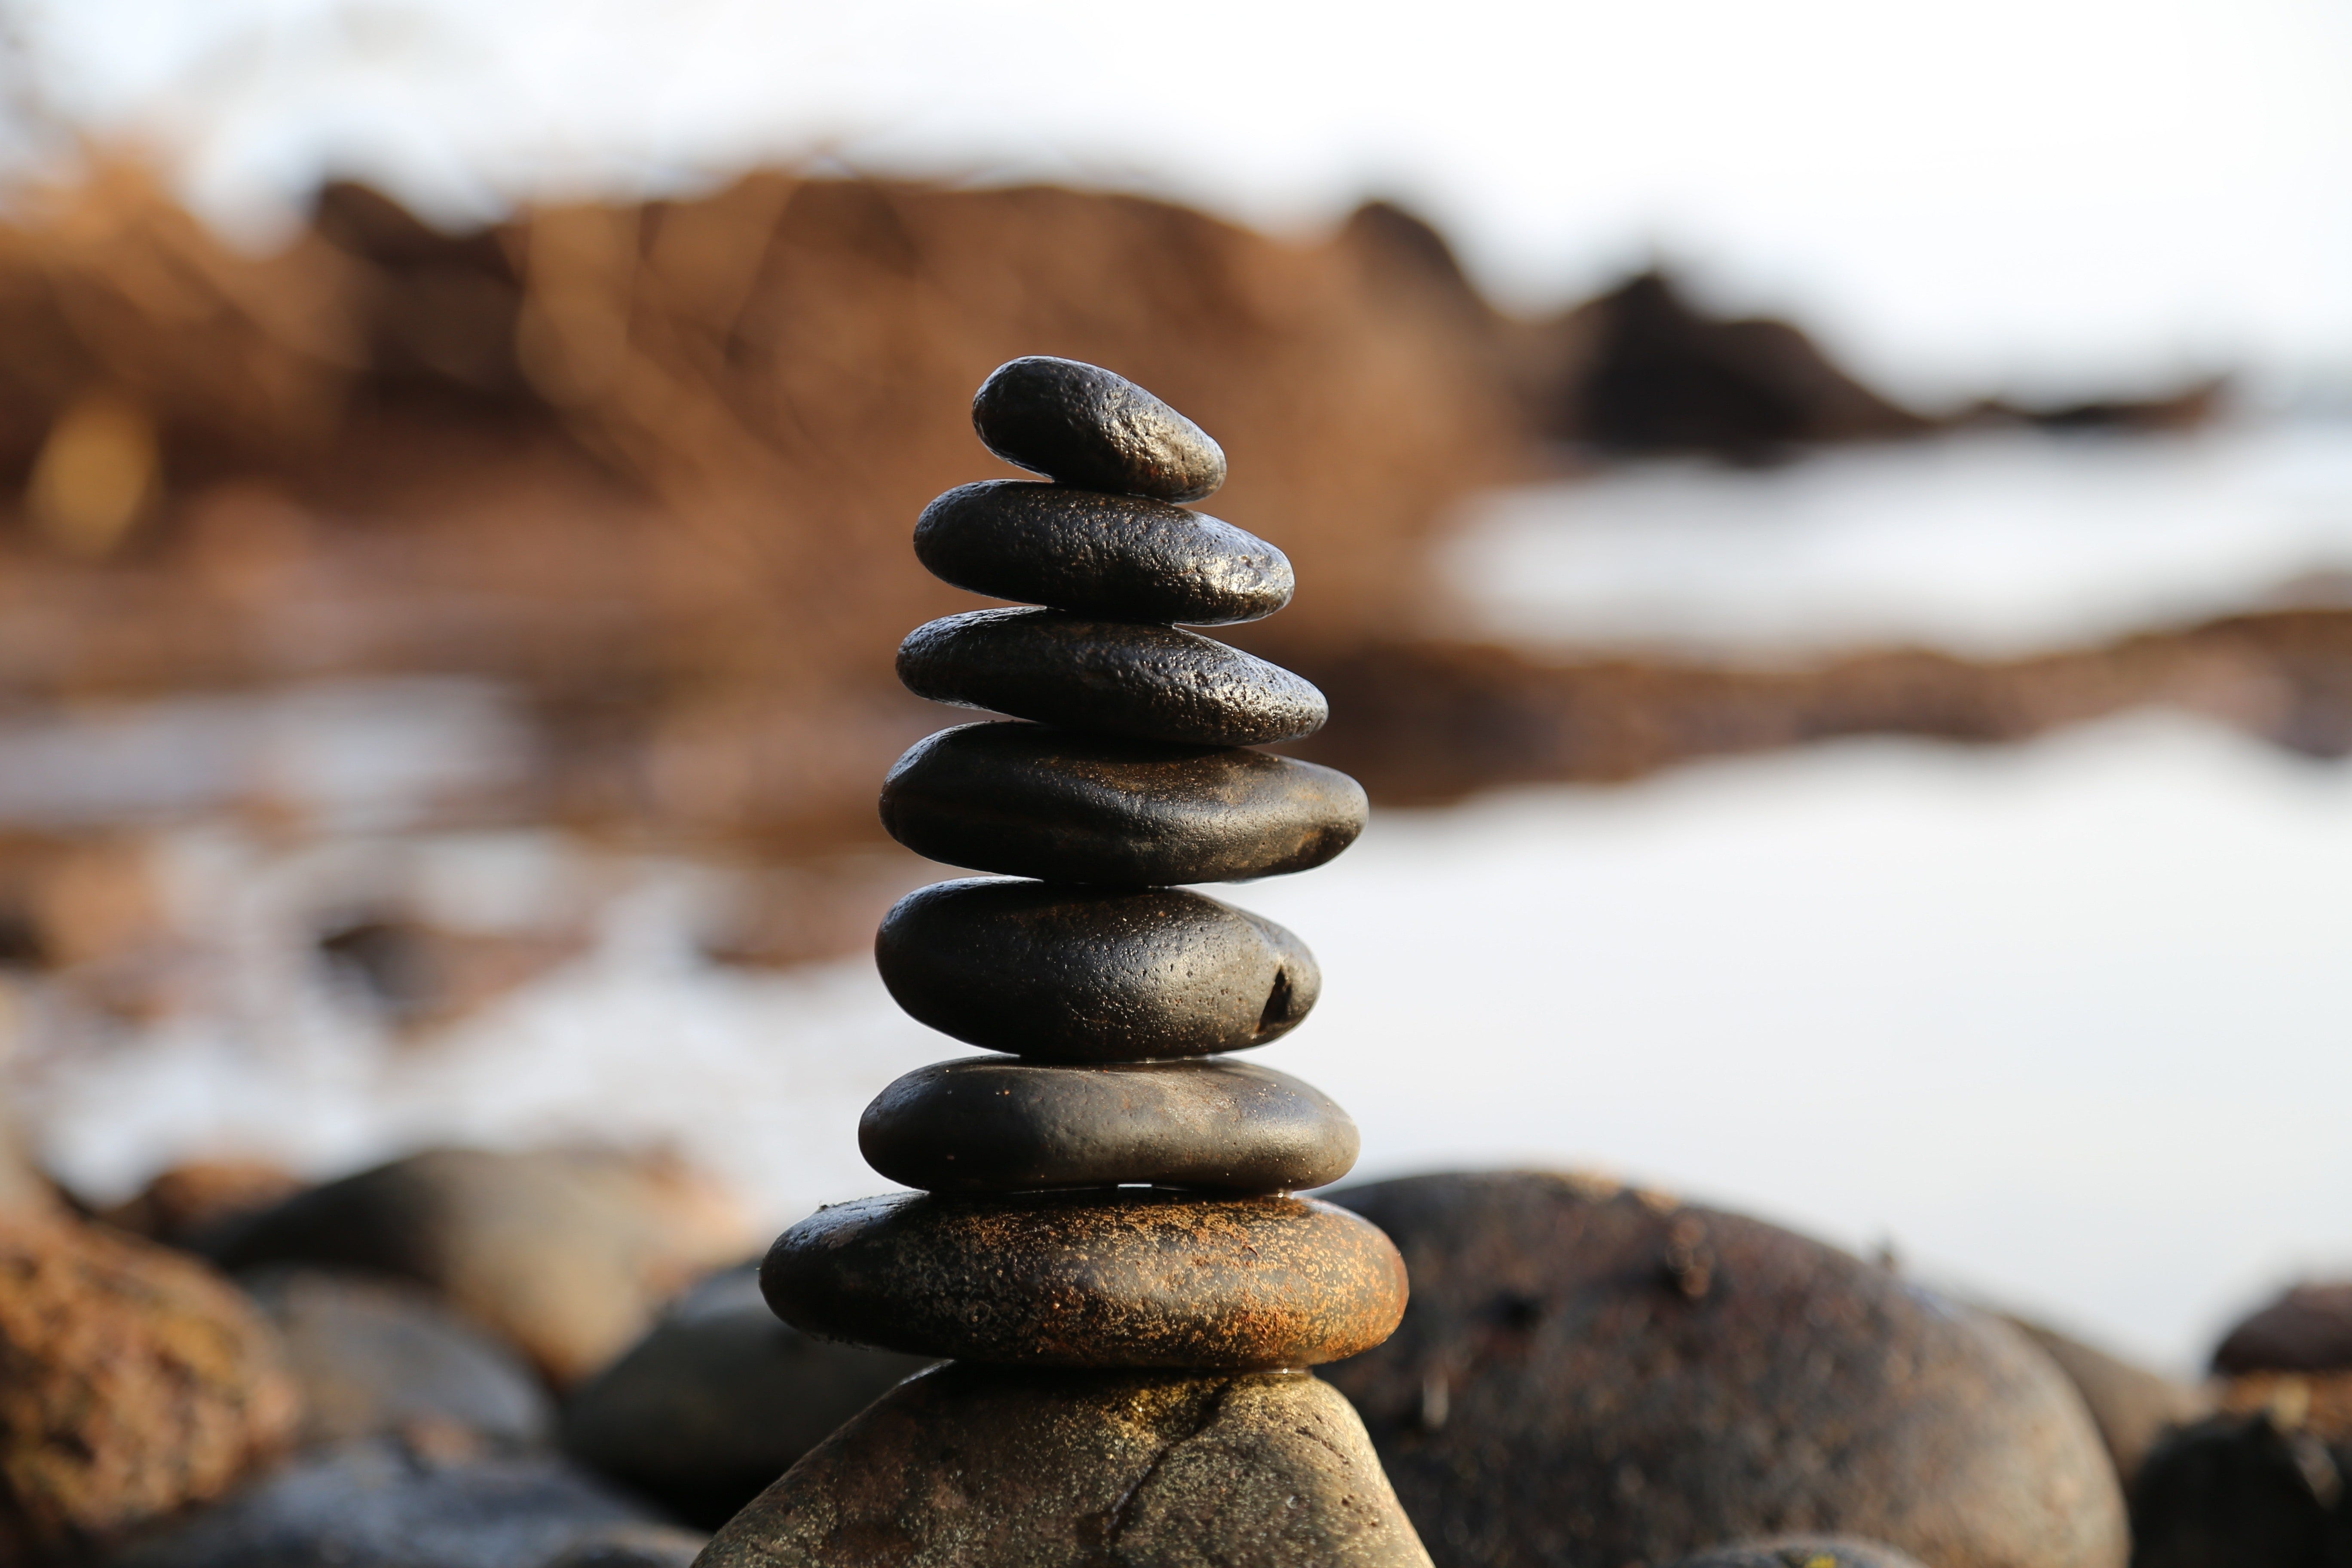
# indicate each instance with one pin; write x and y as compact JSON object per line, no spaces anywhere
{"x":1102,"y":1241}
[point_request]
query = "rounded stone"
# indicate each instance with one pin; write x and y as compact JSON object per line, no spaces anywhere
{"x":1126,"y":558}
{"x":2239,"y":1491}
{"x":1087,"y":426}
{"x":1800,"y":1552}
{"x":1156,"y":683}
{"x":1129,"y":1279}
{"x":2131,"y":1405}
{"x":985,"y":1125}
{"x":969,"y":1465}
{"x":1590,"y":1374}
{"x":1064,"y":973}
{"x":1030,"y":800}
{"x":2308,"y":1329}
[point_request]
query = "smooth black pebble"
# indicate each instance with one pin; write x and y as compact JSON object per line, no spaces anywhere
{"x":1085,"y":426}
{"x":1031,"y":800}
{"x":1080,"y":974}
{"x":986,"y":1125}
{"x":1126,"y":558}
{"x":1156,"y":683}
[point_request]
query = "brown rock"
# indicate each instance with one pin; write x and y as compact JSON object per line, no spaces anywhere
{"x":568,"y":1254}
{"x":195,"y":1205}
{"x":1125,"y":1278}
{"x":133,"y":1381}
{"x":2317,"y":1402}
{"x":1588,"y":1375}
{"x":2131,"y":1404}
{"x":2309,"y":1329}
{"x":970,"y":1465}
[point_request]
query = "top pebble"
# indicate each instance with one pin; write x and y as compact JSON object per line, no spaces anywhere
{"x":1080,"y":424}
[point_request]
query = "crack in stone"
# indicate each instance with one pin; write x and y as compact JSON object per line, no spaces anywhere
{"x":1122,"y":1512}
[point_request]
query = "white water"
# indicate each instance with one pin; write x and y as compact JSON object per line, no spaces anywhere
{"x":2066,"y":1024}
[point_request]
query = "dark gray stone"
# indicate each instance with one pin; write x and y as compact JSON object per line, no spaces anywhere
{"x":376,"y":1504}
{"x":983,"y":1125}
{"x":1126,"y":1278}
{"x":971,"y":1465}
{"x":1064,"y":973}
{"x":1592,"y":1376}
{"x":1033,"y":801}
{"x":1156,"y":683}
{"x":1085,"y":426}
{"x":1125,"y":558}
{"x":2308,"y":1329}
{"x":377,"y":1357}
{"x":1800,"y":1552}
{"x":720,"y":1399}
{"x":2241,"y":1492}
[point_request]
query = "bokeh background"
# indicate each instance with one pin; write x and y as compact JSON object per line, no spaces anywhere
{"x":1827,"y":528}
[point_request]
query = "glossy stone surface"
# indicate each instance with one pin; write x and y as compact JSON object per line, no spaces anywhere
{"x":1664,"y":1378}
{"x":1085,"y":426}
{"x":1069,"y":973}
{"x":1029,"y":800}
{"x":1156,"y":683}
{"x":1131,"y":1278}
{"x":1126,"y":558}
{"x":983,"y":1125}
{"x":973,"y":1465}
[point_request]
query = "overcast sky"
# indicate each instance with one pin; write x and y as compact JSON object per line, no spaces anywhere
{"x":2032,"y":194}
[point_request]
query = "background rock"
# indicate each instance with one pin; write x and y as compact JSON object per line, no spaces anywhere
{"x":720,"y":1399}
{"x":2131,"y":1404}
{"x":197,"y":1205}
{"x":568,"y":1254}
{"x":2241,"y":1492}
{"x":133,"y":1381}
{"x":1801,"y":1552}
{"x":2308,"y":1329}
{"x":376,"y":1357}
{"x":632,"y":1546}
{"x":1588,"y":1375}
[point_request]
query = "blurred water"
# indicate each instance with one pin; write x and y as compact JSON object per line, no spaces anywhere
{"x":1988,"y":544}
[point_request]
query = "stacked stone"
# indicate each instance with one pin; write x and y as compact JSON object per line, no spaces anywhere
{"x":1103,"y":1237}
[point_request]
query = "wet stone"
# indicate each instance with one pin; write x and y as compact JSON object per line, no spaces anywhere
{"x":1029,"y":800}
{"x":1128,"y":1279}
{"x":1077,"y":1470}
{"x":1125,"y":558}
{"x":982,"y":1125}
{"x":1156,"y":683}
{"x":1085,"y":426}
{"x":1069,"y":973}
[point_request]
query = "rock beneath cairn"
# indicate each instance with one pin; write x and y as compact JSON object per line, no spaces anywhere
{"x":978,"y":1465}
{"x":1064,"y":973}
{"x":1133,"y":1278}
{"x":1083,"y":425}
{"x":1588,"y":1374}
{"x":376,"y":1503}
{"x":377,"y":1356}
{"x":134,"y":1382}
{"x":1112,"y":677}
{"x":1123,"y":558}
{"x":2309,"y":1329}
{"x":568,"y":1254}
{"x":1800,"y":1552}
{"x":720,"y":1399}
{"x":1030,"y":801}
{"x":2241,"y":1492}
{"x":2131,"y":1406}
{"x":982,"y":1125}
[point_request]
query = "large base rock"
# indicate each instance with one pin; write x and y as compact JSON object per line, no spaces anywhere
{"x":1073,"y":1469}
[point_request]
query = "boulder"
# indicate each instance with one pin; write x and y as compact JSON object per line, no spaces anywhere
{"x":133,"y":1381}
{"x":967,"y":1464}
{"x":2308,"y":1329}
{"x":2241,"y":1492}
{"x":2131,"y":1404}
{"x":378,"y":1503}
{"x":1591,"y":1375}
{"x":720,"y":1399}
{"x":378,"y":1356}
{"x":567,"y":1254}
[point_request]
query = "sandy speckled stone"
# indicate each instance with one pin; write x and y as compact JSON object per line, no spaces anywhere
{"x":1132,"y":1278}
{"x":970,"y":1465}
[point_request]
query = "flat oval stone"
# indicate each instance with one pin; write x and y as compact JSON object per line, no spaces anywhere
{"x":985,"y":1125}
{"x":1127,"y":1278}
{"x":1156,"y":683}
{"x":1029,"y":800}
{"x":1126,"y":558}
{"x":1085,"y":426}
{"x":1083,"y":975}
